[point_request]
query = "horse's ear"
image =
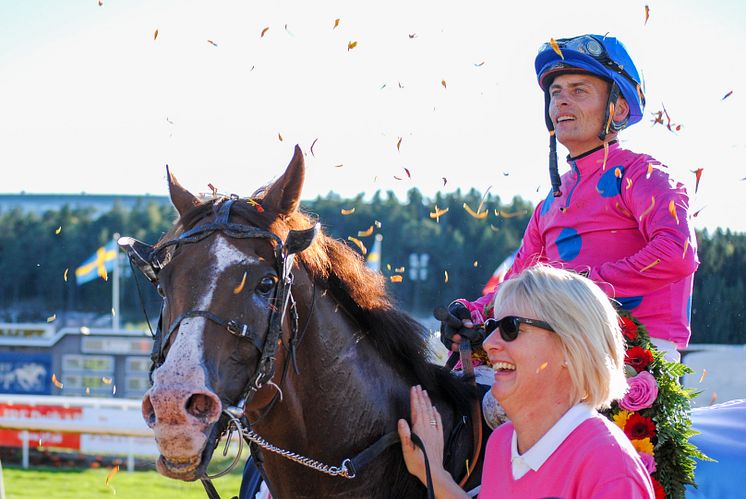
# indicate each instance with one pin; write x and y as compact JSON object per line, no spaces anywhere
{"x":283,"y":196}
{"x":181,"y":198}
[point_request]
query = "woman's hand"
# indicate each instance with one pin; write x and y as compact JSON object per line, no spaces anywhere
{"x":426,"y":423}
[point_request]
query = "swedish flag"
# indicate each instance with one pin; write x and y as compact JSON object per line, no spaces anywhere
{"x":98,"y":265}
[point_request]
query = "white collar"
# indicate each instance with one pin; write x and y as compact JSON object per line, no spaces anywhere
{"x":537,"y":455}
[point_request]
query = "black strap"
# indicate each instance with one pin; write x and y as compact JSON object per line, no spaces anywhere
{"x":209,"y":488}
{"x":418,"y":442}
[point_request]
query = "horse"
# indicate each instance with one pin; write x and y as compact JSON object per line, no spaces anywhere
{"x":269,"y":323}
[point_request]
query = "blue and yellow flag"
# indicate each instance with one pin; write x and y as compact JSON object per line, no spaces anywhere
{"x":374,"y":255}
{"x":98,"y":265}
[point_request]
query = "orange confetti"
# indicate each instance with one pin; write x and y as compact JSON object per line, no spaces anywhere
{"x":264,"y":31}
{"x":212,"y":43}
{"x":365,"y":233}
{"x":239,"y":288}
{"x":443,"y":82}
{"x":445,"y":272}
{"x":542,"y":367}
{"x":52,"y":318}
{"x":647,"y":15}
{"x":649,"y":208}
{"x":64,"y":276}
{"x":606,"y":154}
{"x":313,"y":144}
{"x":345,"y":211}
{"x":106,"y":380}
{"x":111,"y":474}
{"x":618,"y":172}
{"x":438,"y":213}
{"x":399,"y":269}
{"x":396,"y":278}
{"x":629,"y":183}
{"x":727,"y":95}
{"x":649,"y":172}
{"x":506,"y":214}
{"x":398,"y":144}
{"x":56,"y":382}
{"x":279,"y":136}
{"x":686,"y":246}
{"x":640,"y":94}
{"x":656,"y":262}
{"x":336,"y":23}
{"x":155,"y":35}
{"x":351,"y":45}
{"x":704,"y":373}
{"x":611,"y":116}
{"x":672,"y":211}
{"x":697,"y":175}
{"x":58,"y":230}
{"x":555,"y":47}
{"x":478,"y":216}
{"x":359,"y":244}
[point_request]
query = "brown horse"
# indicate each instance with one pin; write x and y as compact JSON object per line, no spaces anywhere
{"x":230,"y":329}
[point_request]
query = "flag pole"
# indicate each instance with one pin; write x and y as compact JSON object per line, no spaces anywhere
{"x":115,"y":289}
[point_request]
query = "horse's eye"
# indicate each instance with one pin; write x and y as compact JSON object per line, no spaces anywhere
{"x":266,"y":284}
{"x":159,"y":288}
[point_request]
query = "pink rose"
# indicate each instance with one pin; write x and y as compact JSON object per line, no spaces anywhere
{"x":648,"y":461}
{"x":643,"y":390}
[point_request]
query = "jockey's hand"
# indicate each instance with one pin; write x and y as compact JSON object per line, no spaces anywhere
{"x":456,"y":324}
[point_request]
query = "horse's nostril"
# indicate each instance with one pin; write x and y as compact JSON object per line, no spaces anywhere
{"x":148,"y":412}
{"x":202,"y":407}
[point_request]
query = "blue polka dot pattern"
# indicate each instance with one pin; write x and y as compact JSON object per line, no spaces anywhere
{"x":629,"y":302}
{"x":547,"y":203}
{"x":568,"y":244}
{"x":689,"y":311}
{"x":609,"y":185}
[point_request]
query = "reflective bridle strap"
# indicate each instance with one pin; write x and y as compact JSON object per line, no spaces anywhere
{"x":234,"y":327}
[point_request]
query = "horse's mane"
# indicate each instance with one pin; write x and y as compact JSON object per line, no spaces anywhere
{"x":401,"y":340}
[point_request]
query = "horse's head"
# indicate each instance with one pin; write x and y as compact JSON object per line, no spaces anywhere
{"x":224,"y":274}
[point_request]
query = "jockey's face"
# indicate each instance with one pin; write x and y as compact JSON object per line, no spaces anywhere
{"x":577,"y":108}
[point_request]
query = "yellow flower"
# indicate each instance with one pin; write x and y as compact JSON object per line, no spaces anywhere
{"x":643,"y":445}
{"x":621,"y":417}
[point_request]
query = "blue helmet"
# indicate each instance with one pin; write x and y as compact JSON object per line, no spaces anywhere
{"x":601,"y":56}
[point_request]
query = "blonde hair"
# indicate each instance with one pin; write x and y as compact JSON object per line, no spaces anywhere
{"x":585,"y":321}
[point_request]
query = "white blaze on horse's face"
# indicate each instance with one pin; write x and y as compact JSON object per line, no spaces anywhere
{"x":181,"y":407}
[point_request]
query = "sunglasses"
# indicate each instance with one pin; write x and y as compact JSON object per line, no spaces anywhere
{"x":509,"y":326}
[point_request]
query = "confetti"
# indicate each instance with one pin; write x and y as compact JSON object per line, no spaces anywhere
{"x":85,"y":331}
{"x":155,"y":35}
{"x":640,"y":94}
{"x":106,"y":380}
{"x":113,"y":312}
{"x":412,"y":35}
{"x":704,"y":373}
{"x":686,"y":246}
{"x":65,"y":274}
{"x":365,"y":233}
{"x":649,"y":208}
{"x":445,"y":273}
{"x":279,"y":136}
{"x":618,"y":172}
{"x":672,"y":211}
{"x":713,"y":398}
{"x":656,"y":262}
{"x":480,"y":64}
{"x":345,"y":211}
{"x":476,"y":263}
{"x":351,"y":45}
{"x":396,"y":278}
{"x":481,"y":201}
{"x":264,"y":31}
{"x":239,"y":288}
{"x":56,"y":382}
{"x":478,"y":216}
{"x":87,"y":390}
{"x":313,"y":144}
{"x":114,"y":390}
{"x":506,"y":214}
{"x":398,"y":144}
{"x":445,"y":181}
{"x":727,"y":95}
{"x":438,"y":213}
{"x":555,"y":47}
{"x":212,"y":43}
{"x":606,"y":154}
{"x":542,"y":367}
{"x":649,"y":172}
{"x":611,"y":117}
{"x":698,"y":175}
{"x":339,"y":165}
{"x":698,"y":211}
{"x":399,"y":269}
{"x":443,"y":82}
{"x":493,"y":228}
{"x":397,"y":178}
{"x":58,"y":230}
{"x":100,"y":3}
{"x":647,"y":15}
{"x":406,"y":170}
{"x":629,"y":183}
{"x":336,"y":23}
{"x":52,"y":318}
{"x":111,"y":474}
{"x":359,"y":244}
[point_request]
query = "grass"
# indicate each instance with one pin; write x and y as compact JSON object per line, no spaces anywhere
{"x":91,"y":483}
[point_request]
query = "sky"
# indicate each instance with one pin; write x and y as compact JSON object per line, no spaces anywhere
{"x":91,"y":100}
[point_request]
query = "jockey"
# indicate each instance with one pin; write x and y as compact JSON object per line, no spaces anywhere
{"x":616,"y":216}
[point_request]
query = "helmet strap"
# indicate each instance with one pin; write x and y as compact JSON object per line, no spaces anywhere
{"x":554,"y":176}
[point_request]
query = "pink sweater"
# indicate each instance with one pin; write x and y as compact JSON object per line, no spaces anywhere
{"x":595,"y":461}
{"x":616,"y":223}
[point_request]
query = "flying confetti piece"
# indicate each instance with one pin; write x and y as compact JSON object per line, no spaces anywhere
{"x":697,"y":175}
{"x":476,"y":263}
{"x":58,"y":230}
{"x":629,"y":183}
{"x":443,"y":82}
{"x":114,"y":390}
{"x":87,"y":390}
{"x":494,"y":229}
{"x":111,"y":474}
{"x":649,"y":172}
{"x":445,"y":275}
{"x":365,"y":233}
{"x":555,"y":47}
{"x":336,"y":23}
{"x":279,"y":136}
{"x":647,"y":15}
{"x":345,"y":211}
{"x":606,"y":154}
{"x":399,"y":269}
{"x":640,"y":94}
{"x":727,"y":95}
{"x":65,"y":275}
{"x":406,"y":170}
{"x":514,"y":214}
{"x":85,"y":331}
{"x":339,"y":165}
{"x":480,"y":64}
{"x":106,"y":380}
{"x":656,"y":262}
{"x":649,"y":208}
{"x":672,"y":211}
{"x":239,"y":288}
{"x":113,"y":312}
{"x":351,"y":45}
{"x":694,"y":215}
{"x":618,"y":172}
{"x":398,"y":144}
{"x":704,"y":373}
{"x":396,"y":278}
{"x":313,"y":144}
{"x":100,"y":3}
{"x":397,"y":178}
{"x":611,"y":116}
{"x":155,"y":35}
{"x":400,"y":85}
{"x":445,"y":181}
{"x":52,"y":318}
{"x":377,"y":224}
{"x":478,"y":216}
{"x":412,"y":35}
{"x":713,"y":398}
{"x":481,"y":201}
{"x":686,"y":246}
{"x":264,"y":31}
{"x":359,"y":244}
{"x":542,"y":367}
{"x":212,"y":43}
{"x":438,"y":213}
{"x":56,"y":382}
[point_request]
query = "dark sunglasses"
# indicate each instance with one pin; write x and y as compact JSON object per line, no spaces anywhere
{"x":509,"y":326}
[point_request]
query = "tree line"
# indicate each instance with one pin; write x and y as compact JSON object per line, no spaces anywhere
{"x":463,"y":250}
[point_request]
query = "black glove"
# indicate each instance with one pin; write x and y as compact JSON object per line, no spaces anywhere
{"x":451,"y":324}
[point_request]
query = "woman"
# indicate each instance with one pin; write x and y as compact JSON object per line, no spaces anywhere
{"x":558,"y":356}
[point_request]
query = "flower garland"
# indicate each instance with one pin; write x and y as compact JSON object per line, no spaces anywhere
{"x":654,"y":413}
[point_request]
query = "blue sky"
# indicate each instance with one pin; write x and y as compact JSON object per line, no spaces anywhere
{"x":91,"y":102}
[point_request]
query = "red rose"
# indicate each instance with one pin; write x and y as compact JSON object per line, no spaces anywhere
{"x":660,"y":492}
{"x":639,"y":358}
{"x":638,"y":427}
{"x":629,"y":328}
